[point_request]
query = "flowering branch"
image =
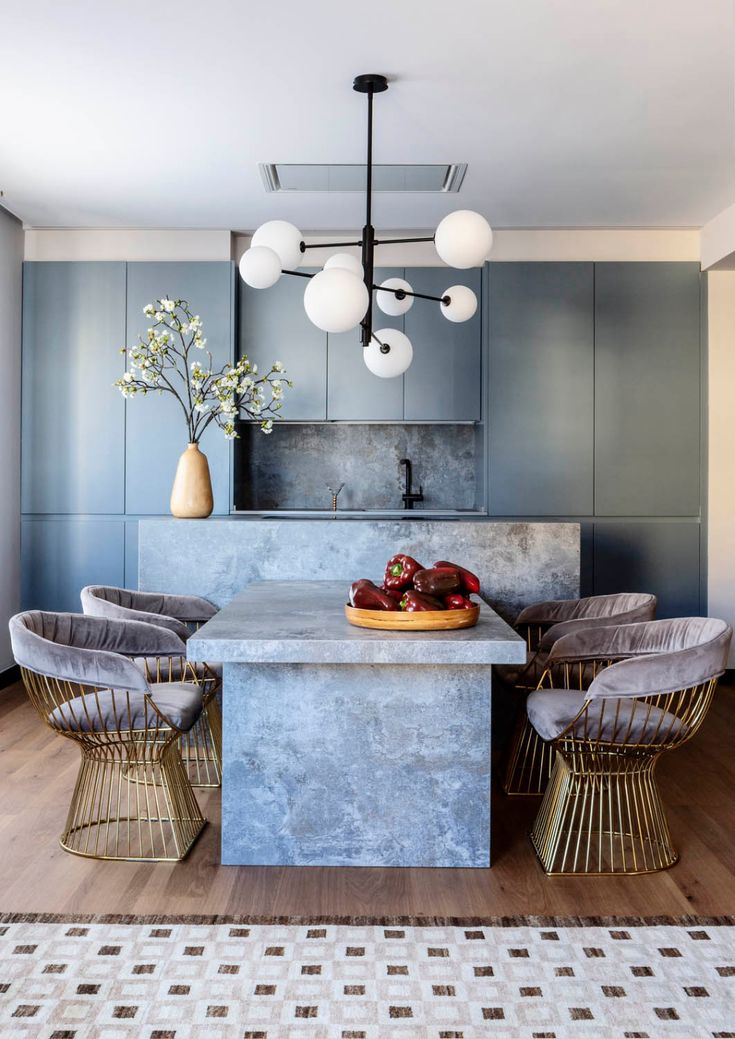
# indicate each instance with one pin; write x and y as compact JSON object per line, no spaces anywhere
{"x":160,"y":361}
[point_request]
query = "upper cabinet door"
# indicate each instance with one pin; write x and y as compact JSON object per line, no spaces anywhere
{"x":73,"y":423}
{"x":540,"y":393}
{"x":444,"y":382}
{"x":156,"y":431}
{"x":273,"y":326}
{"x":353,"y":392}
{"x":647,"y":389}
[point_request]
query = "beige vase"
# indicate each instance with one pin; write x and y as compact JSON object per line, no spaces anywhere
{"x":191,"y":494}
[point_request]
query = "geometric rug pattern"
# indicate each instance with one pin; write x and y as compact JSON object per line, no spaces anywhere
{"x":217,"y":978}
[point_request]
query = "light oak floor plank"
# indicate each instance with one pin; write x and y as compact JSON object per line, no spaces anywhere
{"x":37,"y":772}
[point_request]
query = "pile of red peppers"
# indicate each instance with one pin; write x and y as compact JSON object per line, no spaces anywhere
{"x":408,"y":585}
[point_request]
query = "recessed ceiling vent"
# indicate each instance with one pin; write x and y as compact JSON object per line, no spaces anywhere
{"x":292,"y":176}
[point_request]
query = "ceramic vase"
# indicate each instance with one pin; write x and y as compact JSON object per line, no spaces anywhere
{"x":191,"y":494}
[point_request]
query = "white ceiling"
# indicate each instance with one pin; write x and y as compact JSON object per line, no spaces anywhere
{"x":155,"y":113}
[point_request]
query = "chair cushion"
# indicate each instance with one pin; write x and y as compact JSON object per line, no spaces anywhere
{"x":106,"y":711}
{"x":550,"y":711}
{"x":176,"y":668}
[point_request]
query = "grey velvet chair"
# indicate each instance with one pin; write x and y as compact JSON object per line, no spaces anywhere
{"x":602,"y":812}
{"x":201,"y":747}
{"x":132,"y":798}
{"x":529,"y":761}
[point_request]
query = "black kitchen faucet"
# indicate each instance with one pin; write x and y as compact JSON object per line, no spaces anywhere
{"x":410,"y":496}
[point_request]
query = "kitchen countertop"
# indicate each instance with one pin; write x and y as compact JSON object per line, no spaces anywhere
{"x":303,"y":622}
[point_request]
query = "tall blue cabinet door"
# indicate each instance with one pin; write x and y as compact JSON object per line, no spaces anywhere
{"x":658,"y":557}
{"x":353,"y":392}
{"x":540,"y":393}
{"x":273,"y":326}
{"x":61,"y":554}
{"x":444,"y":382}
{"x":647,"y":389}
{"x":73,"y":419}
{"x":156,"y":432}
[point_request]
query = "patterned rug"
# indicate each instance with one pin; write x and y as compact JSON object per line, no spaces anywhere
{"x":225,"y":978}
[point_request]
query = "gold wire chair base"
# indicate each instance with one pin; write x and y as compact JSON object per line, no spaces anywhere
{"x":132,"y":802}
{"x":530,"y":762}
{"x":201,"y":748}
{"x":602,"y":815}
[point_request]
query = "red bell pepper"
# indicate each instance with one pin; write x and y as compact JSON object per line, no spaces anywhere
{"x":470,"y":582}
{"x":458,"y":602}
{"x":438,"y":581}
{"x":396,"y":594}
{"x":364,"y":595}
{"x":399,"y":571}
{"x":417,"y":602}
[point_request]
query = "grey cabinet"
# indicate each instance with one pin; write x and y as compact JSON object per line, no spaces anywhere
{"x":541,"y":389}
{"x":273,"y":326}
{"x":60,"y":555}
{"x":659,"y":557}
{"x":155,"y":429}
{"x":647,"y":389}
{"x":444,"y":382}
{"x":73,"y":420}
{"x":353,"y":392}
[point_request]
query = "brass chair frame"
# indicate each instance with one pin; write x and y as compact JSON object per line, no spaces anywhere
{"x":529,"y":760}
{"x":602,"y":812}
{"x":132,"y":799}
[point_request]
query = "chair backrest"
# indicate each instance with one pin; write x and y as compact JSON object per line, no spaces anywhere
{"x":89,"y":651}
{"x":636,"y":606}
{"x":657,"y":693}
{"x":180,"y":613}
{"x":659,"y":657}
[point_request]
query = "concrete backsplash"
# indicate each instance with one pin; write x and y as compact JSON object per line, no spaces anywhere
{"x":293,"y":467}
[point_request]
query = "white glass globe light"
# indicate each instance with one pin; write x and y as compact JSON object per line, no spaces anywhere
{"x":346,"y":261}
{"x":462,"y":303}
{"x":396,"y":358}
{"x":389,"y":302}
{"x":336,"y":300}
{"x":284,"y":239}
{"x":260,"y":267}
{"x":463,"y":239}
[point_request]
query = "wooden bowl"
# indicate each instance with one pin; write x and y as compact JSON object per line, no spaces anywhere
{"x":428,"y":620}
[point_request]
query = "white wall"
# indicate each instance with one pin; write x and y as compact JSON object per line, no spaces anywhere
{"x":11,"y":258}
{"x":721,"y":492}
{"x":588,"y":244}
{"x":509,"y":243}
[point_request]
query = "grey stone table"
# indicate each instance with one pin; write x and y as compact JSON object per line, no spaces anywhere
{"x":351,"y":747}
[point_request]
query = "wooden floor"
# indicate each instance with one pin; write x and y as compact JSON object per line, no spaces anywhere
{"x":37,"y":771}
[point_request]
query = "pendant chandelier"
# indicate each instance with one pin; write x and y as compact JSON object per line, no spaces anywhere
{"x":339,"y":297}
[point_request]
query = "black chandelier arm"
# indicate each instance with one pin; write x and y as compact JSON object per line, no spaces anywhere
{"x":297,"y":274}
{"x":402,"y":293}
{"x":402,"y":241}
{"x":327,"y":245}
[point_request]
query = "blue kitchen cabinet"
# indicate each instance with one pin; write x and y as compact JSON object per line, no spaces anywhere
{"x":156,"y":432}
{"x":662,"y":557}
{"x":444,"y":381}
{"x":541,"y":389}
{"x":273,"y":326}
{"x":73,"y":419}
{"x":353,"y":392}
{"x":647,"y":389}
{"x":61,"y":554}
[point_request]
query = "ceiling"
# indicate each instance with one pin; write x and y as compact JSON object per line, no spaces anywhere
{"x":569,"y":113}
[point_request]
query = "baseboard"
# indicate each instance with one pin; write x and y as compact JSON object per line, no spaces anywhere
{"x":9,"y":676}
